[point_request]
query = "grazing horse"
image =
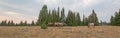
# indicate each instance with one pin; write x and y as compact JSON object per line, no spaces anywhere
{"x":91,"y":25}
{"x":50,"y":24}
{"x":56,"y":24}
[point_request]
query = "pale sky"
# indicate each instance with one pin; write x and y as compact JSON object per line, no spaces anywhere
{"x":18,"y":10}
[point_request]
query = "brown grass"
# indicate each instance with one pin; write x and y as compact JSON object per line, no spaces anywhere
{"x":58,"y":32}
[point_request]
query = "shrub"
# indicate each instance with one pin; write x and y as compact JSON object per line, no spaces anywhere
{"x":43,"y":26}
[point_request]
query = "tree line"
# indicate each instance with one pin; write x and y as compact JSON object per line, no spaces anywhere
{"x":115,"y":20}
{"x":11,"y":23}
{"x":72,"y":19}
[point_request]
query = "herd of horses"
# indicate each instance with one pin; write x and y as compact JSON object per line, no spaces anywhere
{"x":61,"y":24}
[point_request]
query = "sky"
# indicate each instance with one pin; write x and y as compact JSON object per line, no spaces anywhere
{"x":28,"y":10}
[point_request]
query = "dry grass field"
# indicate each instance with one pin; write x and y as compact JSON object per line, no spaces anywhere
{"x":59,"y":32}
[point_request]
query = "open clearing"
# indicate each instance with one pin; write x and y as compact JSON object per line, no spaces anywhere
{"x":58,"y":32}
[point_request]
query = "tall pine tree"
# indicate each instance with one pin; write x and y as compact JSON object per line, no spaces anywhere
{"x":112,"y":20}
{"x":93,"y":18}
{"x":62,"y":15}
{"x":32,"y":23}
{"x":116,"y":19}
{"x":78,"y":19}
{"x":43,"y":17}
{"x":70,"y":20}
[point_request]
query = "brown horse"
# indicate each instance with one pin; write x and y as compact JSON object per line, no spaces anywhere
{"x":56,"y":24}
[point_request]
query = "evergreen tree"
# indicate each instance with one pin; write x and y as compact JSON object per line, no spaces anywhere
{"x":58,"y":15}
{"x":70,"y":20}
{"x":117,"y":18}
{"x":12,"y":23}
{"x":93,"y":18}
{"x":43,"y":15}
{"x":78,"y":20}
{"x":49,"y":16}
{"x":4,"y":23}
{"x":112,"y":20}
{"x":21,"y":23}
{"x":33,"y":23}
{"x":53,"y":15}
{"x":25,"y":23}
{"x":62,"y":15}
{"x":86,"y":21}
{"x":83,"y":21}
{"x":9,"y":23}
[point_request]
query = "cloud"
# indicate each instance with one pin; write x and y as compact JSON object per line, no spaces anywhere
{"x":116,"y":3}
{"x":51,"y":1}
{"x":91,"y":2}
{"x":16,"y":12}
{"x":12,"y":13}
{"x":103,"y":8}
{"x":19,"y":7}
{"x":17,"y":17}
